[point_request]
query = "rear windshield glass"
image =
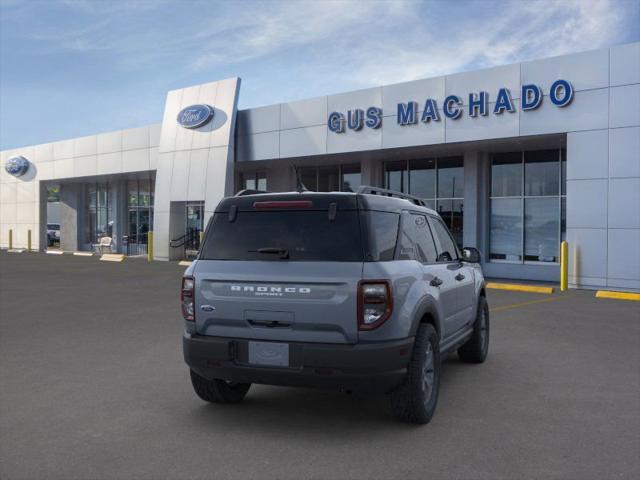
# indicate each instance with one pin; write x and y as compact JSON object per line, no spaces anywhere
{"x":284,"y":236}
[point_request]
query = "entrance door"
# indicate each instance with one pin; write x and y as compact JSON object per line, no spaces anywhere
{"x":139,"y":225}
{"x":193,"y":228}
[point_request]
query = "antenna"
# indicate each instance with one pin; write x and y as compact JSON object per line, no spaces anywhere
{"x":300,"y":188}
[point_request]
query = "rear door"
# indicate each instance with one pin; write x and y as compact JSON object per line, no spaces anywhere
{"x":417,"y":243}
{"x":284,"y":274}
{"x":460,"y":277}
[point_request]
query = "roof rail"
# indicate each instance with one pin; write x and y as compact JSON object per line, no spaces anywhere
{"x":366,"y":189}
{"x":249,"y":191}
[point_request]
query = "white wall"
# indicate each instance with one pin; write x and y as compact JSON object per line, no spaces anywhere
{"x":194,"y":164}
{"x":123,"y":151}
{"x":603,"y":183}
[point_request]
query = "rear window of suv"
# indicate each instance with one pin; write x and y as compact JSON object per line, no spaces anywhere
{"x":300,"y":235}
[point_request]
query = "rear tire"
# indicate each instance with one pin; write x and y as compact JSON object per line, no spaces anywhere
{"x":218,"y":391}
{"x":477,"y":347}
{"x":415,"y":400}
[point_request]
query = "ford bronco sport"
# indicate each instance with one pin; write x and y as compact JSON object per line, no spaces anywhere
{"x":361,"y":291}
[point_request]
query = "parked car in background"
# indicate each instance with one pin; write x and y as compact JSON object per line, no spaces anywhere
{"x":53,"y":234}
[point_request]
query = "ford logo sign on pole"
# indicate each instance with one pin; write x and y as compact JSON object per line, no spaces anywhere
{"x":195,"y":116}
{"x":17,"y":166}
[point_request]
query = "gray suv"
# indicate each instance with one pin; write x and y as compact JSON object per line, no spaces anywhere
{"x":361,"y":291}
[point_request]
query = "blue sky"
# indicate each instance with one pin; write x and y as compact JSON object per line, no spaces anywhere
{"x":78,"y":67}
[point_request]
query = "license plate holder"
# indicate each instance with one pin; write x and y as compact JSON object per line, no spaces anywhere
{"x":269,"y":354}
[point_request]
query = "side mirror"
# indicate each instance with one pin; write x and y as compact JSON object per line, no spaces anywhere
{"x":471,"y":255}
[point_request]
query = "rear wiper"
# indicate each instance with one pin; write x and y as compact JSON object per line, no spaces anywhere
{"x":284,"y":253}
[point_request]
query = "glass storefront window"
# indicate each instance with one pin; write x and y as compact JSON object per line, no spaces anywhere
{"x":450,"y":177}
{"x":132,"y":193}
{"x":145,"y":194}
{"x":527,"y":224}
{"x":541,"y":173}
{"x":506,"y":175}
{"x":99,"y":212}
{"x":140,"y":215}
{"x":423,"y":178}
{"x":331,"y":178}
{"x":328,"y":179}
{"x":53,"y":193}
{"x":395,"y":173}
{"x":541,"y":227}
{"x":438,"y":181}
{"x":254,"y":181}
{"x":309,"y":178}
{"x":351,"y":178}
{"x":506,"y":229}
{"x":194,"y":226}
{"x":451,"y":212}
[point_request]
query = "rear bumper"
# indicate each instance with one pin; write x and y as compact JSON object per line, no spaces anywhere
{"x":374,"y":367}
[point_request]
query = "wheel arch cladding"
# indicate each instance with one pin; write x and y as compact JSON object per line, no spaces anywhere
{"x":427,"y":313}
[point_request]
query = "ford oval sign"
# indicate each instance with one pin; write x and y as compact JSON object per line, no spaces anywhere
{"x":17,"y":166}
{"x":195,"y":116}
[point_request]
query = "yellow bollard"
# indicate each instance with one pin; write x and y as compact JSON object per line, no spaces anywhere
{"x":10,"y":239}
{"x":201,"y":235}
{"x":150,"y":246}
{"x":29,"y":240}
{"x":564,"y":266}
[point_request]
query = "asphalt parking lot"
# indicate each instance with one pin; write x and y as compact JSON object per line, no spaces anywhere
{"x":93,"y":386}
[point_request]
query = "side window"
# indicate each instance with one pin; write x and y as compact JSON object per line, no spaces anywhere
{"x":407,"y":241}
{"x":447,"y":251}
{"x":416,"y":240}
{"x":381,"y":229}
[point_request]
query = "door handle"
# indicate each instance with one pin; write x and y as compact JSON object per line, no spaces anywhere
{"x":436,"y":282}
{"x":459,"y":277}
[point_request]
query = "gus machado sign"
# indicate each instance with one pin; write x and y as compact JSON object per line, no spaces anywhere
{"x":560,"y":95}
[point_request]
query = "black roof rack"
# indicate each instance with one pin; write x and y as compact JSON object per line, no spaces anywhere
{"x":366,"y":189}
{"x":248,"y":191}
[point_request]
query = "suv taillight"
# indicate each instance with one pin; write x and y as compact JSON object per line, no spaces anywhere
{"x":186,"y":298}
{"x":375,"y":303}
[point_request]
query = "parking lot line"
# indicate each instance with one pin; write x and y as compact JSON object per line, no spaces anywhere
{"x":516,"y":287}
{"x":524,"y":304}
{"x":618,"y":295}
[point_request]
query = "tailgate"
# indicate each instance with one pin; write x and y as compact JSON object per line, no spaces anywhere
{"x":280,"y":301}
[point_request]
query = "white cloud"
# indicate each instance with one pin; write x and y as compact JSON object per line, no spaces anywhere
{"x":287,"y":26}
{"x":522,"y":31}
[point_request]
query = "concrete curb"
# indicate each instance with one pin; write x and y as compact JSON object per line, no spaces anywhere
{"x":516,"y":287}
{"x":635,"y":297}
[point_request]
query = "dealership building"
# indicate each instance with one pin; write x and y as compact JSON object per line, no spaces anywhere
{"x":515,"y":158}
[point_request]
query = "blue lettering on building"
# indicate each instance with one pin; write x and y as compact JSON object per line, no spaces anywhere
{"x":407,"y":113}
{"x":531,"y":96}
{"x":374,"y":117}
{"x":561,"y":93}
{"x":336,"y":122}
{"x":478,"y":104}
{"x":452,"y":107}
{"x":430,"y":111}
{"x":503,"y":102}
{"x":355,"y":119}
